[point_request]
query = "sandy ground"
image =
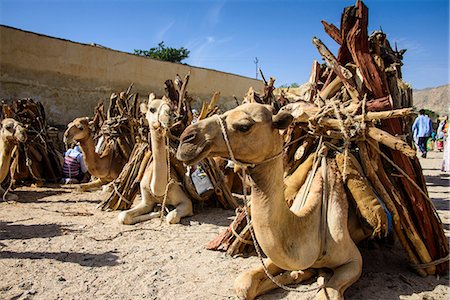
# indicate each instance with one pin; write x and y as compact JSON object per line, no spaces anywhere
{"x":54,"y":244}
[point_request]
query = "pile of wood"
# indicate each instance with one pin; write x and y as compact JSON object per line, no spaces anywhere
{"x":121,"y":124}
{"x":38,"y":159}
{"x":357,"y":109}
{"x":126,"y":186}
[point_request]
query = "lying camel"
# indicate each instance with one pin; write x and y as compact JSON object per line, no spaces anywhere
{"x":292,"y":240}
{"x":105,"y":167}
{"x":155,"y":179}
{"x":11,"y":133}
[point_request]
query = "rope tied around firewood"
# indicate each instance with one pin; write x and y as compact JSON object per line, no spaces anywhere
{"x":432,"y":263}
{"x":238,"y":236}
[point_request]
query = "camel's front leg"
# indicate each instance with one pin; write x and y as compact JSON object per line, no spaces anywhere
{"x":143,"y":211}
{"x":255,"y":282}
{"x":91,"y":185}
{"x":343,"y":277}
{"x":182,"y":203}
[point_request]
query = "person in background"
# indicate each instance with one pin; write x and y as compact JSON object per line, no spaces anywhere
{"x":431,"y":141}
{"x":441,"y":133}
{"x":422,"y":128}
{"x":74,"y":168}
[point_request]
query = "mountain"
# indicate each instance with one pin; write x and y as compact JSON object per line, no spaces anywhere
{"x":435,"y":99}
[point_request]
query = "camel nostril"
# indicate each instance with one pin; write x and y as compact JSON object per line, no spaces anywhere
{"x":189,"y":137}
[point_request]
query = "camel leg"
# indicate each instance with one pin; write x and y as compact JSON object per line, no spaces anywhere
{"x":91,"y":185}
{"x":143,"y":211}
{"x":255,"y":282}
{"x":343,"y":277}
{"x":137,"y":214}
{"x":182,"y":209}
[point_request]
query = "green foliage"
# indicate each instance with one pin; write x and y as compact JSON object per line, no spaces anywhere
{"x":164,"y":53}
{"x":292,"y":85}
{"x":432,"y":114}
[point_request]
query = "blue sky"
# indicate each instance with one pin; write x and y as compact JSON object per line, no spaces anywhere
{"x":227,"y":35}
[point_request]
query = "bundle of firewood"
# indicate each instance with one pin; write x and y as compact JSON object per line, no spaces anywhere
{"x":356,"y":109}
{"x":37,"y":160}
{"x":126,"y":186}
{"x":121,"y":124}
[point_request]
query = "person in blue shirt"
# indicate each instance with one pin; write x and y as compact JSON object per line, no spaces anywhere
{"x":421,"y":129}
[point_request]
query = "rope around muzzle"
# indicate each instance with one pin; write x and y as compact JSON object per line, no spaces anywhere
{"x":244,"y":167}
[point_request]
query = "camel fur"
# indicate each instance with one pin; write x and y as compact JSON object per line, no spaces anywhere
{"x":105,"y":167}
{"x":154,"y":182}
{"x":291,"y":240}
{"x":11,"y":133}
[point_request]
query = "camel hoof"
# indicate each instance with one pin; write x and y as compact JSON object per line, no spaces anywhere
{"x":107,"y":188}
{"x":173,"y":218}
{"x":124,"y":218}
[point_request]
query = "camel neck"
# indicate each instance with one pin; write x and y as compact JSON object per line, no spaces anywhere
{"x":275,"y":223}
{"x":87,"y":146}
{"x":5,"y":150}
{"x":268,"y":193}
{"x":159,"y":152}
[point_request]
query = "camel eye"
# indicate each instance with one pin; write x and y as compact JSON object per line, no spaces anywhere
{"x":242,"y":127}
{"x":9,"y":127}
{"x":152,"y":109}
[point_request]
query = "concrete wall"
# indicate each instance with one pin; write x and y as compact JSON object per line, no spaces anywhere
{"x":70,"y":78}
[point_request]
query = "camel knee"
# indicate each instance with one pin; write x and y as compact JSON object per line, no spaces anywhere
{"x":250,"y":284}
{"x":343,"y":277}
{"x":245,"y":286}
{"x":182,"y":210}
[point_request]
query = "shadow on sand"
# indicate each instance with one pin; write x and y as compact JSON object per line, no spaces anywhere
{"x":83,"y":259}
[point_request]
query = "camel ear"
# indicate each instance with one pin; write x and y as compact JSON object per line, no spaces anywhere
{"x":151,"y":97}
{"x":282,"y":120}
{"x":143,"y":108}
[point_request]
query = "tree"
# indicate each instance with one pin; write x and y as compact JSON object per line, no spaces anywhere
{"x":164,"y":53}
{"x":292,"y":85}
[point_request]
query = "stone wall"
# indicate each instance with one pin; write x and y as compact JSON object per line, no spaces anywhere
{"x":71,"y":78}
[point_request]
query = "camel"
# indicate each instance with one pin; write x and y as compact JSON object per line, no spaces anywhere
{"x":11,"y":133}
{"x":155,"y":179}
{"x":292,"y":240}
{"x":105,"y":167}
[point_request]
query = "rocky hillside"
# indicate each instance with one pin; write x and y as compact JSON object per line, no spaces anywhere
{"x":435,"y":99}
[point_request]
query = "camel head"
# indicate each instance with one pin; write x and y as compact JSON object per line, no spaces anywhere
{"x":252,"y":130}
{"x":158,"y":112}
{"x":12,"y":131}
{"x":77,"y":130}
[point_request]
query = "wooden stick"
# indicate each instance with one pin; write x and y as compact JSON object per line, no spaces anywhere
{"x":390,"y":141}
{"x":340,"y":71}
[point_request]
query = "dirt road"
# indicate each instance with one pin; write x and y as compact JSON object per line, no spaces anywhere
{"x":54,"y":244}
